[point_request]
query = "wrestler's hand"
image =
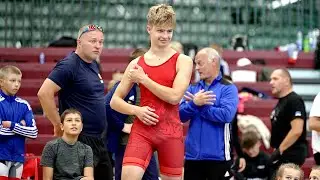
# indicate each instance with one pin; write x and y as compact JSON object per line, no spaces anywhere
{"x":136,"y":74}
{"x":6,"y":124}
{"x":127,"y":128}
{"x":204,"y":98}
{"x":147,"y":115}
{"x":188,"y":96}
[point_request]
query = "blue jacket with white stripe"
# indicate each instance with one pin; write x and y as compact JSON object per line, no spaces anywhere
{"x":12,"y":140}
{"x":209,"y":131}
{"x":115,"y":119}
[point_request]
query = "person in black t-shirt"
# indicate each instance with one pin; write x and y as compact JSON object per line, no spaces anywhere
{"x":79,"y":84}
{"x":288,"y":134}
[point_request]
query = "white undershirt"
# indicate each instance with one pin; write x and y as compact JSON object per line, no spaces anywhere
{"x":315,"y":112}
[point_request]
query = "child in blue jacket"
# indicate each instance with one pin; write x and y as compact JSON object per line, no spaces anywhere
{"x":16,"y":123}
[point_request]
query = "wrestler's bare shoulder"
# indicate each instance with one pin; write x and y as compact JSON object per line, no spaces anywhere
{"x":183,"y":57}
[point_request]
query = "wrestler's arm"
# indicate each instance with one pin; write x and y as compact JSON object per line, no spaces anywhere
{"x":145,"y":113}
{"x":117,"y":103}
{"x":173,"y":95}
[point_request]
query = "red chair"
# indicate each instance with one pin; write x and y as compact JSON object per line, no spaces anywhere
{"x":31,"y":167}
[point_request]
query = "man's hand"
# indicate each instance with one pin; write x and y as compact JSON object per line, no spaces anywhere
{"x":275,"y":157}
{"x":147,"y":115}
{"x":57,"y":131}
{"x":6,"y":124}
{"x":136,"y":74}
{"x":188,"y":96}
{"x":127,"y":128}
{"x":23,"y":122}
{"x":204,"y":98}
{"x":242,"y":164}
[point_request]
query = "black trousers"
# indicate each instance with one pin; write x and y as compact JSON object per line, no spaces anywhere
{"x":101,"y":160}
{"x":316,"y":157}
{"x":295,"y":155}
{"x":207,"y":170}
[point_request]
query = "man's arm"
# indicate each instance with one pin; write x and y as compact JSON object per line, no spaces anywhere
{"x":314,"y":123}
{"x":113,"y":119}
{"x":224,"y":113}
{"x":314,"y":120}
{"x":187,"y":108}
{"x":87,"y":173}
{"x":293,"y":135}
{"x":46,"y":96}
{"x":173,"y":95}
{"x":47,"y":173}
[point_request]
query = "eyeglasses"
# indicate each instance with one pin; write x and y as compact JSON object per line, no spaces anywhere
{"x":89,"y":28}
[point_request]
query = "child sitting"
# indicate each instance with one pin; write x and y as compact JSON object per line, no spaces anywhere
{"x":66,"y":157}
{"x":256,"y":160}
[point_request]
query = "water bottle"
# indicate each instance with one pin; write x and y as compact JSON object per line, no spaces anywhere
{"x":42,"y":58}
{"x":299,"y":40}
{"x":312,"y":40}
{"x":292,"y":53}
{"x":18,"y":45}
{"x":306,"y":44}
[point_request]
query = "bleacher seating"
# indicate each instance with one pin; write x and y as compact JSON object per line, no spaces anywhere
{"x":263,"y":87}
{"x":31,"y":55}
{"x":27,"y":59}
{"x":36,"y":146}
{"x":44,"y":125}
{"x":260,"y":108}
{"x":39,"y":72}
{"x":306,"y":167}
{"x":272,"y":58}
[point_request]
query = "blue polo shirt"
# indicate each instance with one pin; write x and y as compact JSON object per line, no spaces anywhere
{"x":82,"y":88}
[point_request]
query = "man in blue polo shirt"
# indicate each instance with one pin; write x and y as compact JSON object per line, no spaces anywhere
{"x":79,"y":85}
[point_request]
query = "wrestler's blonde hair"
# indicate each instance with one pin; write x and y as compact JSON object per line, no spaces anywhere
{"x":161,"y":15}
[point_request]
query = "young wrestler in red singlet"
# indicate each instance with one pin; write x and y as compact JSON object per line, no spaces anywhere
{"x":163,"y":76}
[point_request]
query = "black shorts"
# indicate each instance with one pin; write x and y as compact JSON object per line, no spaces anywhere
{"x":101,"y":160}
{"x":207,"y":170}
{"x":296,"y":154}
